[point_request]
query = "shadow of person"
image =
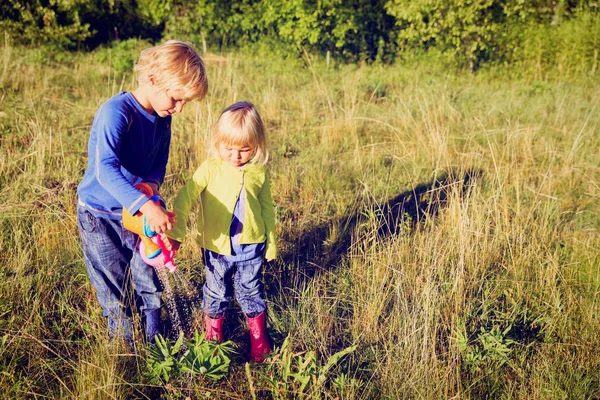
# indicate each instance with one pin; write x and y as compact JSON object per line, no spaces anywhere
{"x":304,"y":255}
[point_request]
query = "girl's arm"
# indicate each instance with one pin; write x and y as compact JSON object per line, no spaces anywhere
{"x":268,"y":213}
{"x":187,"y":196}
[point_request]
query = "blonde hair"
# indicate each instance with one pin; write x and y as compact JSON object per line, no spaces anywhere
{"x":241,"y":125}
{"x":176,"y":66}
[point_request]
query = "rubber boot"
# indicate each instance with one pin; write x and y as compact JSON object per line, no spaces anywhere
{"x":259,"y":338}
{"x":213,"y":328}
{"x":152,"y":325}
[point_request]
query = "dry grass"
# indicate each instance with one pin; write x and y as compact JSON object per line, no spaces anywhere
{"x":446,"y":224}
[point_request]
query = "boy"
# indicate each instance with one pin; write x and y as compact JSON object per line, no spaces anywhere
{"x":129,"y":143}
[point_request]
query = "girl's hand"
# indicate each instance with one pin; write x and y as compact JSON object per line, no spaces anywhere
{"x":170,"y":244}
{"x":269,"y":260}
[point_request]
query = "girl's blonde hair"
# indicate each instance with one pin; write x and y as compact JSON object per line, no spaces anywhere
{"x":176,"y":66}
{"x":240,"y":125}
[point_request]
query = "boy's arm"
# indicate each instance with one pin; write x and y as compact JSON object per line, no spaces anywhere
{"x":268,"y":213}
{"x":187,"y":196}
{"x":157,"y":173}
{"x":110,"y":125}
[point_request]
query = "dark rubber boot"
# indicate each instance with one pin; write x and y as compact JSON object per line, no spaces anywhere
{"x":213,"y":328}
{"x":259,"y":338}
{"x":152,"y":325}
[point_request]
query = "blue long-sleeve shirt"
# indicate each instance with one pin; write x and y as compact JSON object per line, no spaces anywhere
{"x":127,"y":145}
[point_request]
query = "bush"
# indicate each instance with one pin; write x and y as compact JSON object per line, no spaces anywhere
{"x":71,"y":24}
{"x":31,"y":22}
{"x":353,"y":30}
{"x":471,"y":33}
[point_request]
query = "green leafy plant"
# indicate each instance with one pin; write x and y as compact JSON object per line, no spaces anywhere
{"x":161,"y":359}
{"x":208,"y":358}
{"x":297,"y":374}
{"x":167,"y":361}
{"x":489,"y":351}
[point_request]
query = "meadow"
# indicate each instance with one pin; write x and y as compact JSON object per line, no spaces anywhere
{"x":438,"y":227}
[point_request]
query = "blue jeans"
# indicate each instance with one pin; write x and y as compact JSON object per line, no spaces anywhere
{"x":111,"y":255}
{"x":240,"y":273}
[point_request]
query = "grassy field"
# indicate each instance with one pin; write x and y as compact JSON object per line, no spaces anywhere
{"x":445,"y":224}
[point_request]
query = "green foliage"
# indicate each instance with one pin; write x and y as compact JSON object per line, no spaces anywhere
{"x":155,"y":11}
{"x":472,"y":32}
{"x":468,"y":33}
{"x":121,"y":55}
{"x":199,"y":357}
{"x":343,"y":383}
{"x":123,"y":19}
{"x":292,"y":374}
{"x":464,"y":30}
{"x":161,"y":359}
{"x":222,"y":23}
{"x":205,"y":357}
{"x":566,"y":48}
{"x":72,"y":23}
{"x":488,"y":352}
{"x":351,"y":29}
{"x":357,"y":29}
{"x":39,"y":22}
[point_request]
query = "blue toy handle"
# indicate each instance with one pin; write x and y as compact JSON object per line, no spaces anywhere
{"x":160,"y":201}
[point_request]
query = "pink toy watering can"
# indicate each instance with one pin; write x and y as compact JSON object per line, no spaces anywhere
{"x":152,"y":248}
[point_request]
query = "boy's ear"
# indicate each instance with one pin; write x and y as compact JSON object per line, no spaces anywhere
{"x":151,"y":79}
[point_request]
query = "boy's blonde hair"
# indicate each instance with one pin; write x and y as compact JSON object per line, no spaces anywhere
{"x":240,"y":125}
{"x":176,"y":66}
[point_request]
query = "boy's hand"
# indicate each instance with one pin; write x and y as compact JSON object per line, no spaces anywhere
{"x":269,"y":260}
{"x":157,"y":217}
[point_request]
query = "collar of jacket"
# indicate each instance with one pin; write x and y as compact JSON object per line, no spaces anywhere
{"x":249,"y":167}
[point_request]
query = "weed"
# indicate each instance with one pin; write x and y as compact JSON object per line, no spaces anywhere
{"x":167,"y":361}
{"x":292,"y":374}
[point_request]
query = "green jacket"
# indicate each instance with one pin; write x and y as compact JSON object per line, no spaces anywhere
{"x":217,"y":185}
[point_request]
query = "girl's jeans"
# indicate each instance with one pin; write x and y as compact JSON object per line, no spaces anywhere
{"x":110,"y":255}
{"x":240,"y":273}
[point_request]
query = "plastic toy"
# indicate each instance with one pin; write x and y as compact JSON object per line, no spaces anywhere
{"x":152,"y":248}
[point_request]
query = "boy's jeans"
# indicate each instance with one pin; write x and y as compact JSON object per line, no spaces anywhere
{"x":108,"y":250}
{"x":242,"y":272}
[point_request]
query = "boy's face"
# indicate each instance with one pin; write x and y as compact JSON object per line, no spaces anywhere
{"x":235,"y":155}
{"x":166,"y":102}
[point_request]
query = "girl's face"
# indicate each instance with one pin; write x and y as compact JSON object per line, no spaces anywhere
{"x":235,"y":155}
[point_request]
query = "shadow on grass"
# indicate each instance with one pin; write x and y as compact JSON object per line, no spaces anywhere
{"x":305,"y":254}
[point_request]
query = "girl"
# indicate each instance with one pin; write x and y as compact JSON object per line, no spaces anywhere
{"x":236,"y":223}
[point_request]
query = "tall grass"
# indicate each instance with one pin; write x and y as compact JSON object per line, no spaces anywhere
{"x":445,"y":224}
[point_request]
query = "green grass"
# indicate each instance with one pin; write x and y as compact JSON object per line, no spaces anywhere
{"x":445,"y":224}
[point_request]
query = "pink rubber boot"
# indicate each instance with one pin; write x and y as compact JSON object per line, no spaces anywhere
{"x":259,"y":338}
{"x":213,"y":328}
